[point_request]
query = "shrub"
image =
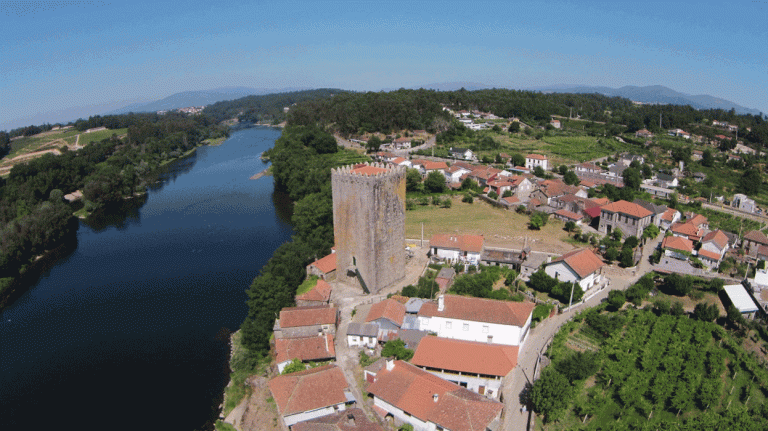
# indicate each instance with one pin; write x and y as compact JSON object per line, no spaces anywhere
{"x":446,"y":203}
{"x":493,"y":195}
{"x":612,"y":254}
{"x":468,"y":198}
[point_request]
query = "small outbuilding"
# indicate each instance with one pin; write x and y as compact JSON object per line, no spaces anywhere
{"x":740,"y":299}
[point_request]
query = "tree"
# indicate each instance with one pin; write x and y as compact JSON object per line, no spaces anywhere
{"x":750,"y":183}
{"x":562,"y":169}
{"x":616,"y":299}
{"x":536,"y":221}
{"x":412,"y":179}
{"x":632,"y":178}
{"x":579,"y":365}
{"x":680,"y":285}
{"x":651,"y":231}
{"x":435,"y":182}
{"x":677,"y":309}
{"x":570,"y":178}
{"x":631,"y":242}
{"x":612,"y":254}
{"x":469,"y":184}
{"x":570,"y":226}
{"x":550,"y":394}
{"x":373,"y":144}
{"x":706,"y":313}
{"x":397,"y":349}
{"x":295,"y":366}
{"x":517,"y":159}
{"x":707,"y":159}
{"x":539,"y":172}
{"x":493,"y":195}
{"x":514,"y":128}
{"x":627,"y":257}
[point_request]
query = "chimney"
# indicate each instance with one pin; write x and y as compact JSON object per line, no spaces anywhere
{"x":434,"y":397}
{"x":351,"y":420}
{"x":390,"y":364}
{"x":441,"y":303}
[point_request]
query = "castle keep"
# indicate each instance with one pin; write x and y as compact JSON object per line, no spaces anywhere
{"x":369,"y":223}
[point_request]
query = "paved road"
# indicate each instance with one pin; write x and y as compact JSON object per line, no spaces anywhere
{"x":540,"y":337}
{"x":737,"y":213}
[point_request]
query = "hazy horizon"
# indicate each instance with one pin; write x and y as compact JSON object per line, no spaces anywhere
{"x":84,"y":58}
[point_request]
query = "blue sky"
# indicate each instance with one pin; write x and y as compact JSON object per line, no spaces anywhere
{"x":63,"y":59}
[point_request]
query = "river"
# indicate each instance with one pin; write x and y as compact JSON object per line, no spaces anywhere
{"x":129,"y":330}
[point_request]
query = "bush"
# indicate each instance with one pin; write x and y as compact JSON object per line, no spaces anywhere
{"x":612,"y":254}
{"x":447,"y":202}
{"x":468,"y":198}
{"x":579,"y":366}
{"x":493,"y":195}
{"x":616,"y":298}
{"x":397,"y":349}
{"x":631,"y":242}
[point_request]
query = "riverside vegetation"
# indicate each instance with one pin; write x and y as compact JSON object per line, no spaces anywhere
{"x":33,"y":214}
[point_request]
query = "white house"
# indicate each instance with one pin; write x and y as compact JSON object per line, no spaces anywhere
{"x":533,"y":160}
{"x":462,"y":153}
{"x":477,"y":319}
{"x":578,"y":266}
{"x":454,"y":173}
{"x":408,"y":394}
{"x":713,"y":247}
{"x":362,"y":335}
{"x":743,"y":203}
{"x":670,"y":217}
{"x":457,"y":248}
{"x":479,"y":367}
{"x":310,"y":394}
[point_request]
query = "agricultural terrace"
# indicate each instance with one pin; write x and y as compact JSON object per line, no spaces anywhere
{"x":31,"y":147}
{"x":501,"y":227}
{"x":642,"y":369}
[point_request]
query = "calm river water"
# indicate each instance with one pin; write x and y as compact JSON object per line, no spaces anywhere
{"x":130,"y":330}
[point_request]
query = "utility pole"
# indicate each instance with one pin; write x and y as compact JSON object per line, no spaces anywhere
{"x":659,"y":120}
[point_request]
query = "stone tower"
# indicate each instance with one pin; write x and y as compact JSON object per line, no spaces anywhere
{"x":369,"y":223}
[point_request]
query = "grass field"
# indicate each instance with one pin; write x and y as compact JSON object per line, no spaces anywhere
{"x":501,"y":227}
{"x":87,"y":138}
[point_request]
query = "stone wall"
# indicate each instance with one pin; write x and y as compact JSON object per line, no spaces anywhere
{"x":369,"y":224}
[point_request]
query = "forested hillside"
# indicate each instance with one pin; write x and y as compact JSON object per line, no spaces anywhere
{"x":33,"y":215}
{"x":264,"y":109}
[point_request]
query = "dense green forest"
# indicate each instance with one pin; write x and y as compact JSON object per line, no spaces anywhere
{"x":33,"y":215}
{"x":264,"y":109}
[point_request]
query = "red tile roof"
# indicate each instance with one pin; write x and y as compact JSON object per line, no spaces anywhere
{"x":601,"y":201}
{"x":593,"y":212}
{"x":481,"y":310}
{"x":473,"y":243}
{"x":465,"y":356}
{"x":511,"y":199}
{"x":677,"y":243}
{"x":756,"y":236}
{"x":583,"y":261}
{"x":411,"y":389}
{"x":687,"y":229}
{"x":368,"y":170}
{"x":697,"y":220}
{"x":307,"y":316}
{"x":536,"y":156}
{"x":321,"y":292}
{"x":398,"y":160}
{"x":432,"y":166}
{"x":326,"y":264}
{"x":709,"y":254}
{"x":628,"y":208}
{"x":569,"y":215}
{"x":669,"y":214}
{"x":718,"y":237}
{"x":388,"y":309}
{"x":309,"y":390}
{"x":305,"y":349}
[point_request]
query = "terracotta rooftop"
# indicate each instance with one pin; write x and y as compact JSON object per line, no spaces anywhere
{"x":309,"y":390}
{"x":718,"y":237}
{"x":481,"y":310}
{"x":326,"y":264}
{"x":583,"y":262}
{"x":398,"y":160}
{"x":430,"y":166}
{"x":411,"y":389}
{"x":339,"y":421}
{"x":473,"y":243}
{"x":511,"y":199}
{"x":687,"y":229}
{"x":709,"y":254}
{"x":569,"y":215}
{"x":307,"y":316}
{"x":697,"y":220}
{"x":600,"y":201}
{"x":536,"y":156}
{"x":628,"y":208}
{"x":321,"y":292}
{"x":368,"y":170}
{"x":389,"y":309}
{"x":669,"y":214}
{"x":756,"y":236}
{"x":465,"y":356}
{"x":305,"y":349}
{"x":678,"y":243}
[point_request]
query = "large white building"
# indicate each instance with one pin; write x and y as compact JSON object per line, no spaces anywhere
{"x":477,"y":319}
{"x":533,"y":160}
{"x":579,"y":266}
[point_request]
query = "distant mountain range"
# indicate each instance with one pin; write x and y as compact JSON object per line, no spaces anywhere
{"x":199,"y":98}
{"x":650,"y":94}
{"x":656,"y":94}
